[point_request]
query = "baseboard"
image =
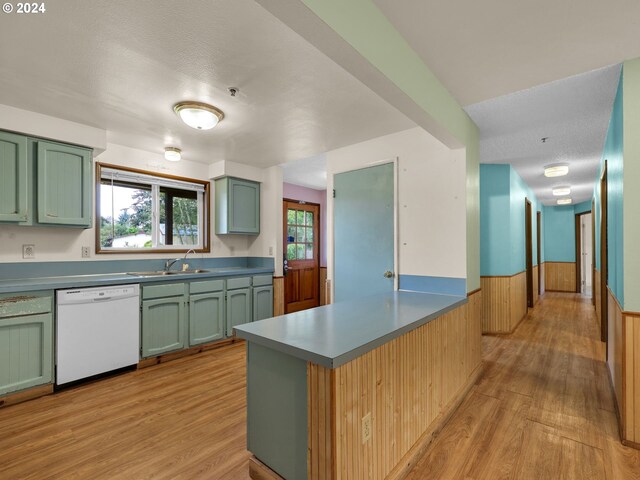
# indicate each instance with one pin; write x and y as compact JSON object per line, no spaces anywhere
{"x":259,"y":471}
{"x":24,"y":395}
{"x":406,"y":464}
{"x":167,"y":357}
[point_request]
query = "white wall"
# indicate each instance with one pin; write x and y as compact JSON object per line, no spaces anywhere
{"x":431,"y":197}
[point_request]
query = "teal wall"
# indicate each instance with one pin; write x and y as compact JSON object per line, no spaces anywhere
{"x":613,"y":154}
{"x":582,"y":207}
{"x":502,"y":222}
{"x":559,"y":233}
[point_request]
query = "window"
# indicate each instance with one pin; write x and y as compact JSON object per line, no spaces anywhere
{"x":141,"y":211}
{"x":299,"y":234}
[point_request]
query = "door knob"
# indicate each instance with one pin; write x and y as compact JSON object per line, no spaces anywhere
{"x":388,"y":274}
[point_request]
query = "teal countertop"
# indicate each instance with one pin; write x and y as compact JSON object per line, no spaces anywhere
{"x":336,"y":334}
{"x":30,"y":284}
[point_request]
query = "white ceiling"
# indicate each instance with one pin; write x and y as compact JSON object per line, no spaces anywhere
{"x":573,"y":113}
{"x":485,"y":49}
{"x":122,"y":65}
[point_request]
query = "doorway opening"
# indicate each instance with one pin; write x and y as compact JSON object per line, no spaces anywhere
{"x":529,"y":250}
{"x":301,"y":255}
{"x":584,"y":254}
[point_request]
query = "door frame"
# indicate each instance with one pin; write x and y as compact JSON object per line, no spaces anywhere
{"x":528,"y":233}
{"x":284,"y":243}
{"x":396,"y":261}
{"x":604,"y":260}
{"x":538,"y":249}
{"x":578,"y":229}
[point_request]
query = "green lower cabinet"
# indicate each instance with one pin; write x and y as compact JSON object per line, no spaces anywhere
{"x":262,"y":302}
{"x":206,"y":317}
{"x":163,"y":325}
{"x":238,"y":308}
{"x":26,"y":342}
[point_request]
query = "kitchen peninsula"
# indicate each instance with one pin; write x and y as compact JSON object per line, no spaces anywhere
{"x":356,"y":389}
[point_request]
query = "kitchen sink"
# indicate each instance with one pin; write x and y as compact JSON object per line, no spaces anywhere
{"x":165,"y":272}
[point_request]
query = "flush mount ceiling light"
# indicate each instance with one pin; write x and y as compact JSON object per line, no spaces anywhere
{"x":172,"y":154}
{"x":563,"y":201}
{"x":556,"y":170}
{"x":198,"y":115}
{"x":561,"y":191}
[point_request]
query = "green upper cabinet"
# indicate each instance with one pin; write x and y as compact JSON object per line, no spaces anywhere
{"x":237,"y":206}
{"x":13,"y":177}
{"x":64,"y":184}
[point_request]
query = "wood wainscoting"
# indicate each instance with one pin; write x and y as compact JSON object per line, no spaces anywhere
{"x":597,"y":296}
{"x":323,"y":286}
{"x":278,"y":296}
{"x":409,"y":387}
{"x":560,"y":276}
{"x":504,"y":302}
{"x":536,"y":279}
{"x":623,"y":361}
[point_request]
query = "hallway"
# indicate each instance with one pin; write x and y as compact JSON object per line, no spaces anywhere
{"x":543,"y":408}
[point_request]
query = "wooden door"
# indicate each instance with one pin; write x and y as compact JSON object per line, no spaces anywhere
{"x":529,"y":251}
{"x":538,"y":251}
{"x":301,"y":240}
{"x":604,"y":295}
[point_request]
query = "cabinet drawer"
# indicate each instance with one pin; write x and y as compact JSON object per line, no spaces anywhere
{"x":261,"y":280}
{"x":164,"y":290}
{"x":206,"y":286}
{"x":242,"y":282}
{"x":25,"y":304}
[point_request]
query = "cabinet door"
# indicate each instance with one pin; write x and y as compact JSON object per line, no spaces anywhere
{"x":206,"y":317}
{"x":13,"y":177}
{"x":244,"y":206}
{"x":163,"y":325}
{"x":26,"y":352}
{"x":64,"y":184}
{"x":238,"y":308}
{"x":262,"y":302}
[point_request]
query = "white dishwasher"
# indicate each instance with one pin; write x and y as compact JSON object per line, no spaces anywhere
{"x":98,"y":330}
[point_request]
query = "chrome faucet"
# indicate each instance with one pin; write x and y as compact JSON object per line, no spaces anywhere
{"x":191,"y":250}
{"x":169,"y":263}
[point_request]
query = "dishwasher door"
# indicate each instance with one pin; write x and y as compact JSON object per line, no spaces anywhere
{"x":97,"y":330}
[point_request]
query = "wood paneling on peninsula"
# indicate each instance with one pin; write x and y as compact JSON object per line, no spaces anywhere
{"x":560,"y":276}
{"x":504,"y":302}
{"x":408,"y":387}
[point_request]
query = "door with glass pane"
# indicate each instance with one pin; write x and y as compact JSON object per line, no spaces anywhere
{"x":301,"y":252}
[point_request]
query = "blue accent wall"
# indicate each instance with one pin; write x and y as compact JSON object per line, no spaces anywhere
{"x":582,"y":207}
{"x":559,"y":234}
{"x":613,"y":154}
{"x":502,"y":220}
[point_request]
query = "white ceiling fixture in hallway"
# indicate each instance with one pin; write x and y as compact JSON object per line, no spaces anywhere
{"x":122,"y":66}
{"x":571,"y":114}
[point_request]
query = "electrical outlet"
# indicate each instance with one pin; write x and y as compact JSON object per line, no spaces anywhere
{"x":366,"y":428}
{"x":28,"y":251}
{"x":86,"y":252}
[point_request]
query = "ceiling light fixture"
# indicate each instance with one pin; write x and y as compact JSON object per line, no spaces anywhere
{"x":563,"y":201}
{"x":172,"y":154}
{"x":556,"y":170}
{"x":198,"y":115}
{"x":561,"y":191}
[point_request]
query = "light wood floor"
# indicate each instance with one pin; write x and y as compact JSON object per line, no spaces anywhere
{"x":542,"y":410}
